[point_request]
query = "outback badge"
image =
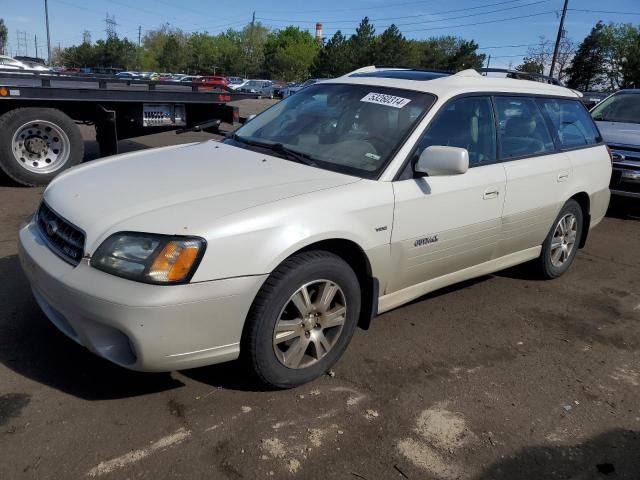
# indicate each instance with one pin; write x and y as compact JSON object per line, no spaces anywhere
{"x":425,"y":241}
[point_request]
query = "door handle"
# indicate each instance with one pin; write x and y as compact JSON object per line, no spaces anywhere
{"x":490,"y":193}
{"x":563,"y":176}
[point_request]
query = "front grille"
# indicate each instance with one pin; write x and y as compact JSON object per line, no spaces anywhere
{"x":64,"y":239}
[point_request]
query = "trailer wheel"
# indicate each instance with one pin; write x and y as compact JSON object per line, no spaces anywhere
{"x":36,"y":144}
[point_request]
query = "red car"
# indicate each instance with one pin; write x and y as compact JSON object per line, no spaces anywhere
{"x":213,"y":81}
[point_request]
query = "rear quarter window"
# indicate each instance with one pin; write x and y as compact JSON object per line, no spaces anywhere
{"x":571,"y":122}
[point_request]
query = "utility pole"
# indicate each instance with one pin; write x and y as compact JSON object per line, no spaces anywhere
{"x":253,"y":23}
{"x":46,"y":16}
{"x":110,"y":29}
{"x":488,"y":63}
{"x":139,"y":34}
{"x":23,"y":46}
{"x":35,"y":42}
{"x":558,"y":39}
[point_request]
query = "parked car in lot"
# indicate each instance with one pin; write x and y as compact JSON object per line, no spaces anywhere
{"x":260,"y":87}
{"x":591,"y":99}
{"x":618,"y":118}
{"x":348,"y":199}
{"x":213,"y":81}
{"x":190,"y":78}
{"x":150,"y":76}
{"x":129,"y":75}
{"x":297,"y":88}
{"x":236,"y":82}
{"x":281,"y":90}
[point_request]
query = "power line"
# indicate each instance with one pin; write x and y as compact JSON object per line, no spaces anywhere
{"x":498,"y":20}
{"x":425,"y":14}
{"x":602,"y":11}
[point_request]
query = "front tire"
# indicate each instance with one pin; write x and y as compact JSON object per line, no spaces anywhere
{"x":302,"y":320}
{"x":562,"y":243}
{"x":36,"y":144}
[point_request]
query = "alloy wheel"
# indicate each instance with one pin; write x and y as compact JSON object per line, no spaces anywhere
{"x":310,"y":324}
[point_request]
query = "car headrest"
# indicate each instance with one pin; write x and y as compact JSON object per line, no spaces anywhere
{"x":520,"y":127}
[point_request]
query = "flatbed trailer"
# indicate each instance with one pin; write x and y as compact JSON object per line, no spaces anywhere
{"x":40,"y":113}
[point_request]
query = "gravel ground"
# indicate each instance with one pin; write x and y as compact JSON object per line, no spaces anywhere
{"x":504,"y":377}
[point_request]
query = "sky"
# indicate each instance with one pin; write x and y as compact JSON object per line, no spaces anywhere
{"x":502,"y":28}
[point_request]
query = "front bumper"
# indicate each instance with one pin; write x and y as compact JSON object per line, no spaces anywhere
{"x":625,"y":178}
{"x":135,"y":325}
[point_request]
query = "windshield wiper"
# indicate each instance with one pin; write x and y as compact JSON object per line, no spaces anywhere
{"x":278,"y":148}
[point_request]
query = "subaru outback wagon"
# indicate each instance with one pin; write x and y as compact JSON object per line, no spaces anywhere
{"x":348,"y":199}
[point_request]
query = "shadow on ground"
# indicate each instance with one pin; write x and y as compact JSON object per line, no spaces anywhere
{"x":32,"y":347}
{"x":614,"y":454}
{"x":624,"y":208}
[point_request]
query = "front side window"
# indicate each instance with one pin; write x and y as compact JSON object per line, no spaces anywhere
{"x":622,"y":107}
{"x":522,"y":128}
{"x":464,"y":123}
{"x":572,"y":122}
{"x":353,"y":129}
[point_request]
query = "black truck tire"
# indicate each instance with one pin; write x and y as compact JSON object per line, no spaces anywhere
{"x":36,"y":144}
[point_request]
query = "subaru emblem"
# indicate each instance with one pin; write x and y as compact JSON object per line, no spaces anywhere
{"x":52,"y":228}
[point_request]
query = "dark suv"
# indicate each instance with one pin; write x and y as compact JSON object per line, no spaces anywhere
{"x":618,"y":118}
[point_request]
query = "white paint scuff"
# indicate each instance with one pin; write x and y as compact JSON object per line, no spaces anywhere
{"x":109,"y":466}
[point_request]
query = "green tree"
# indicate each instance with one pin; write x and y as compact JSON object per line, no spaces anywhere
{"x":361,"y":44}
{"x":587,"y":70}
{"x":173,"y":57}
{"x":334,"y":59}
{"x":4,"y":34}
{"x":451,"y":53}
{"x":530,"y":65}
{"x":631,"y":66}
{"x":289,"y":54}
{"x":391,"y":48}
{"x":619,"y":42}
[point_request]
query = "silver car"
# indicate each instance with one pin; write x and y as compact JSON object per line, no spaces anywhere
{"x":618,"y":118}
{"x":264,"y":88}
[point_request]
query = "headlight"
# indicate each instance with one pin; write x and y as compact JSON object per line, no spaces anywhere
{"x":150,"y":258}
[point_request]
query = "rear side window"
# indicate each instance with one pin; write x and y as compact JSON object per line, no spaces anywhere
{"x":523,"y":131}
{"x":572,"y":122}
{"x":464,"y":123}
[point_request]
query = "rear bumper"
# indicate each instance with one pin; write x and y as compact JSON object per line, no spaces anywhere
{"x":135,"y":325}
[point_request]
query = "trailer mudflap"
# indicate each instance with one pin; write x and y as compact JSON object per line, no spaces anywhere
{"x":106,"y":131}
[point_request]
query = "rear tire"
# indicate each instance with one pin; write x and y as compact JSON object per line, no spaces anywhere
{"x":285,"y":346}
{"x":36,"y":144}
{"x":562,"y":243}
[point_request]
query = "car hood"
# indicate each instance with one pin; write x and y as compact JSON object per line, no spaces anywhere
{"x":616,"y":133}
{"x":179,"y":189}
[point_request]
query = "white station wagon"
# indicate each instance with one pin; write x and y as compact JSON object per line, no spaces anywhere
{"x":346,"y":200}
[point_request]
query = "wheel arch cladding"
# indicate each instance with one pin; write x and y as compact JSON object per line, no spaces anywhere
{"x":357,"y":259}
{"x":585,"y":204}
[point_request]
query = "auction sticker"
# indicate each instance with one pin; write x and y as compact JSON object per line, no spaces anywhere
{"x":384,"y":99}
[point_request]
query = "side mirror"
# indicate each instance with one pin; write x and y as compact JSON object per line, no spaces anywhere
{"x":438,"y":160}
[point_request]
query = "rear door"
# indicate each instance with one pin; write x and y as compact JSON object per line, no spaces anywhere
{"x":537,"y":172}
{"x":443,"y":224}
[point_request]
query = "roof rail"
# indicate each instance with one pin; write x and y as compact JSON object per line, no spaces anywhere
{"x":401,"y":67}
{"x":517,"y":74}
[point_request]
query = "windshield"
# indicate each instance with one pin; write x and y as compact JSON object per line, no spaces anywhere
{"x":353,"y":129}
{"x":623,"y":107}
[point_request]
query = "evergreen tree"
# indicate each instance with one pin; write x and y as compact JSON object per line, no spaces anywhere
{"x":391,"y":48}
{"x":361,"y":44}
{"x":588,"y":66}
{"x":334,"y":58}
